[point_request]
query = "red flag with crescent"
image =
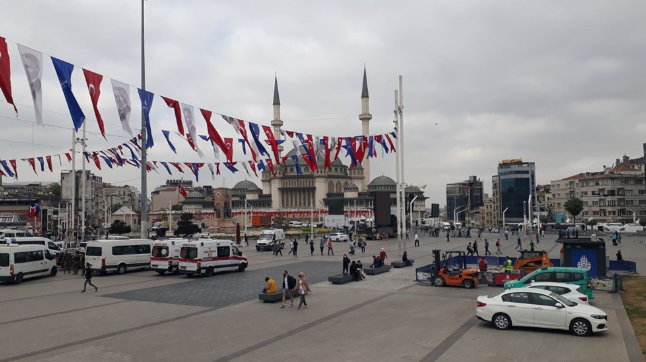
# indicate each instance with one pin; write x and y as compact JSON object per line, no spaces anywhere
{"x":32,"y":162}
{"x":95,"y":156}
{"x":5,"y":73}
{"x":15,"y":169}
{"x":272,"y":141}
{"x":177,"y":166}
{"x":271,"y":166}
{"x":171,"y":103}
{"x":228,"y":151}
{"x":213,"y":133}
{"x":49,"y":163}
{"x":93,"y":81}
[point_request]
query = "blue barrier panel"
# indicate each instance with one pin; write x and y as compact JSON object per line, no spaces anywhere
{"x":424,"y":274}
{"x":623,"y":265}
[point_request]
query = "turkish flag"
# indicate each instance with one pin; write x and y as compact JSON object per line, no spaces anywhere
{"x":182,"y":191}
{"x":272,"y":141}
{"x":177,"y":166}
{"x":93,"y":81}
{"x":253,"y":167}
{"x":5,"y":73}
{"x":271,"y":166}
{"x":15,"y":169}
{"x":338,"y":149}
{"x":213,"y":133}
{"x":32,"y":162}
{"x":228,"y":151}
{"x":326,"y":144}
{"x":171,"y":103}
{"x":95,"y":156}
{"x":49,"y":163}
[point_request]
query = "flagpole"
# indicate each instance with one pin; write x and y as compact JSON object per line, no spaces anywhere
{"x":144,"y":175}
{"x":398,"y":184}
{"x":400,"y":136}
{"x":170,"y":215}
{"x":71,"y":225}
{"x":83,"y":185}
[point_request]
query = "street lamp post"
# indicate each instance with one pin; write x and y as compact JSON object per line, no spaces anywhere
{"x":410,"y":210}
{"x":245,"y":215}
{"x":455,"y":214}
{"x":503,"y":217}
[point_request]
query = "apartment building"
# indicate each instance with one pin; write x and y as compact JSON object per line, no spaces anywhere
{"x":616,"y":194}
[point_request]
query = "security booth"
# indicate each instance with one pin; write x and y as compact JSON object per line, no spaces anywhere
{"x":585,"y":253}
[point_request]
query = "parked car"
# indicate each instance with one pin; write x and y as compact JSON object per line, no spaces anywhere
{"x":569,"y":291}
{"x":532,"y":307}
{"x":577,"y":276}
{"x":339,"y":237}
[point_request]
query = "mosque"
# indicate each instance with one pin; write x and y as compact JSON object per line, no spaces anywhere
{"x":288,"y":190}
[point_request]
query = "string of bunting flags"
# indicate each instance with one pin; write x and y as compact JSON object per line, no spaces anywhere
{"x":264,"y":153}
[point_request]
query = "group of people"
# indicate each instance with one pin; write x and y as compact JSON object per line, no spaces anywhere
{"x":72,"y":263}
{"x":290,"y":285}
{"x":353,"y":268}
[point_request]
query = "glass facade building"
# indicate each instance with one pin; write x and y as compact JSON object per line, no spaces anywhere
{"x":467,"y":193}
{"x":517,"y":181}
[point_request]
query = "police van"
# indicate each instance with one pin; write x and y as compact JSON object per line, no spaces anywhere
{"x":11,"y":233}
{"x":53,"y":248}
{"x":210,"y":256}
{"x":118,"y":255}
{"x":18,"y":262}
{"x":165,"y":255}
{"x":269,"y":237}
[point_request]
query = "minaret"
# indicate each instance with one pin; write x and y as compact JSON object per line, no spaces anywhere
{"x":277,"y":123}
{"x":365,"y":118}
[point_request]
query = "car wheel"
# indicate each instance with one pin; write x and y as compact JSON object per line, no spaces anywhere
{"x":209,"y":272}
{"x":242,"y":267}
{"x":501,"y":321}
{"x":580,"y":327}
{"x":161,"y":272}
{"x":438,"y":281}
{"x":18,"y":278}
{"x":53,"y":272}
{"x":188,"y":275}
{"x":468,"y":284}
{"x":121,"y":269}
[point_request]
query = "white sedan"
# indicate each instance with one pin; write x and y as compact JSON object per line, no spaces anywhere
{"x":531,"y":307}
{"x":339,"y":237}
{"x":570,"y":292}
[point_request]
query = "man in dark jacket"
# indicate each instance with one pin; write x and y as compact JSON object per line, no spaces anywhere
{"x":346,"y":264}
{"x":88,"y":278}
{"x":289,"y":284}
{"x":354,"y":272}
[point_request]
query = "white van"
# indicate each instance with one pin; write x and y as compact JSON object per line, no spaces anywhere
{"x":53,"y":248}
{"x":208,"y":256}
{"x":268,"y":238}
{"x":165,"y":255}
{"x":18,"y":262}
{"x":631,"y":228}
{"x":11,"y":233}
{"x":118,"y":255}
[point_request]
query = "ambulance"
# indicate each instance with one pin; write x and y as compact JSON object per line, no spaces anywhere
{"x":268,"y":238}
{"x":210,"y":256}
{"x":165,"y":256}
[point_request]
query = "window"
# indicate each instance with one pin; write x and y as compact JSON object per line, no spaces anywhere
{"x":4,"y":259}
{"x":518,"y":298}
{"x":93,"y":251}
{"x":543,"y":277}
{"x":562,"y":277}
{"x":124,"y":250}
{"x":142,"y":249}
{"x":558,"y":290}
{"x":577,"y":277}
{"x":160,"y":251}
{"x":48,"y":256}
{"x":188,"y":252}
{"x":541,"y":299}
{"x":224,"y":251}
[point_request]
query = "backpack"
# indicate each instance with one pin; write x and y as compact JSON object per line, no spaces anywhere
{"x":291,"y":282}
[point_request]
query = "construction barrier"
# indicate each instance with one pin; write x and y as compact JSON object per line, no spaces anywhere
{"x":623,"y":266}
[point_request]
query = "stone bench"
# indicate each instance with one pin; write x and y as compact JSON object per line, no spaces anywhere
{"x":276,"y":297}
{"x":340,"y":279}
{"x":401,"y":264}
{"x":375,"y":271}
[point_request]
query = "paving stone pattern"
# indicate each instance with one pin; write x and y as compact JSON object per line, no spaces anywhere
{"x":224,"y":289}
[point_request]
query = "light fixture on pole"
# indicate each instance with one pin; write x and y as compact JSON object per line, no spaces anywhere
{"x":410,"y":211}
{"x":455,"y":215}
{"x":503,"y":217}
{"x":461,"y":211}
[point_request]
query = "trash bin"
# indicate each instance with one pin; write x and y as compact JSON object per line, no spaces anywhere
{"x":587,"y":254}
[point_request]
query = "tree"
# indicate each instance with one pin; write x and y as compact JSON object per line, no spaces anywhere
{"x":592,"y":222}
{"x":119,"y":227}
{"x":115,"y":207}
{"x":642,"y":222}
{"x":177,"y":207}
{"x":544,"y":219}
{"x":56,"y":189}
{"x":185,"y":225}
{"x":574,"y":206}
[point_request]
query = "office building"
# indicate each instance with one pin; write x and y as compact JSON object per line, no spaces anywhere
{"x":516,"y":183}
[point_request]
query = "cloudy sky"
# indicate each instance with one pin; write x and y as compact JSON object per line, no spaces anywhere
{"x":553,"y":82}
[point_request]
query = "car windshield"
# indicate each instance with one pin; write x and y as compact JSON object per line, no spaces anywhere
{"x":160,"y":251}
{"x":93,"y":251}
{"x":562,"y":300}
{"x":529,"y":277}
{"x":4,"y":259}
{"x":266,"y":237}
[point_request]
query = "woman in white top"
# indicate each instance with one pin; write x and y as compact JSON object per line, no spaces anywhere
{"x":303,"y":287}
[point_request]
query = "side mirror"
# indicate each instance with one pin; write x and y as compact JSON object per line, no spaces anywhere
{"x":559,"y":305}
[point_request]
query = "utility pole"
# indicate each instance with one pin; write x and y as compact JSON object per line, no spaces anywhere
{"x":71,"y":226}
{"x":144,"y":172}
{"x":83,"y":186}
{"x":400,"y":137}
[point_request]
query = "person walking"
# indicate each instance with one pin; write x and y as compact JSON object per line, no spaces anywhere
{"x":362,"y":244}
{"x":322,"y":245}
{"x":519,"y":245}
{"x":246,"y":240}
{"x":67,"y":263}
{"x":482,"y":265}
{"x":352,"y":246}
{"x":382,"y":257}
{"x":303,"y":288}
{"x":531,"y":245}
{"x":469,"y":249}
{"x":291,"y":247}
{"x":312,"y":247}
{"x":329,"y":247}
{"x":295,"y":248}
{"x":75,"y":263}
{"x":498,"y":251}
{"x":487,"y":252}
{"x":619,"y":256}
{"x":278,"y":248}
{"x":416,"y":240}
{"x":88,"y":278}
{"x":475,"y":247}
{"x":346,"y":264}
{"x":447,"y":236}
{"x":289,"y":284}
{"x":506,"y":234}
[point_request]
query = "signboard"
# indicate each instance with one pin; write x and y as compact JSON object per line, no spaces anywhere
{"x":334,"y":221}
{"x":586,"y":259}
